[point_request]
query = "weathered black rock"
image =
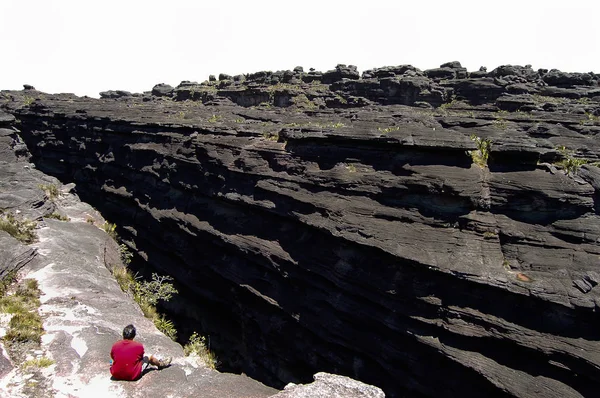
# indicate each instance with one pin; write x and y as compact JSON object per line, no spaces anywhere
{"x":110,"y":94}
{"x":351,"y":228}
{"x":162,"y":90}
{"x":83,"y":308}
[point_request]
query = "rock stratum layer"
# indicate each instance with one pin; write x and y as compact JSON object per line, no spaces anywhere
{"x":358,"y":225}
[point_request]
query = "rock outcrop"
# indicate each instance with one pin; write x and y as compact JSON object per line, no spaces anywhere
{"x":331,"y":386}
{"x":429,"y":232}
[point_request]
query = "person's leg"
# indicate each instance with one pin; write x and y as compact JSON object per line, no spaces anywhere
{"x":158,"y":362}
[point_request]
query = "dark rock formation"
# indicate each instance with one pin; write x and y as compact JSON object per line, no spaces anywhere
{"x":114,"y":94}
{"x":83,"y":307}
{"x":162,"y":90}
{"x":354,"y":227}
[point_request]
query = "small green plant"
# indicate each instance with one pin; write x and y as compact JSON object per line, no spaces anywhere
{"x":126,"y":255}
{"x":583,"y":100}
{"x":302,"y":100}
{"x":500,"y":120}
{"x":239,"y":120}
{"x":386,"y":130}
{"x":327,"y":125}
{"x":58,"y":216}
{"x":341,"y":99}
{"x":197,"y":346}
{"x":590,"y":119}
{"x":351,"y":168}
{"x":27,"y":100}
{"x":42,"y":362}
{"x":124,"y":277}
{"x":22,"y":230}
{"x":489,"y":235}
{"x":8,"y":279}
{"x":569,"y":163}
{"x":572,"y":165}
{"x":50,"y":190}
{"x":110,"y":229}
{"x":166,"y":326}
{"x":447,"y":105}
{"x":215,"y":118}
{"x":481,"y":155}
{"x":271,"y":136}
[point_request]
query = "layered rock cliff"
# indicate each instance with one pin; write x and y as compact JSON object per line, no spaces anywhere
{"x":430,"y":232}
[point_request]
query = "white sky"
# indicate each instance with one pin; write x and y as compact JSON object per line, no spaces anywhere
{"x":88,"y":46}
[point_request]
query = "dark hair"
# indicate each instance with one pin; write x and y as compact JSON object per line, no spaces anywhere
{"x":129,"y":332}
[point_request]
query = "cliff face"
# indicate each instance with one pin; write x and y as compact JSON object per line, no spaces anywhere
{"x":358,"y":225}
{"x":82,"y":307}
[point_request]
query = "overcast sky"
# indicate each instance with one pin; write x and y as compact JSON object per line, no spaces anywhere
{"x":88,"y":46}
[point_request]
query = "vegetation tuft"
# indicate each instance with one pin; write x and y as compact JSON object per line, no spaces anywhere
{"x":110,"y":229}
{"x":481,"y":155}
{"x":25,"y":324}
{"x":569,"y":163}
{"x":51,"y":190}
{"x":22,"y":230}
{"x":42,"y":362}
{"x":385,"y":130}
{"x":196,"y":346}
{"x":58,"y":216}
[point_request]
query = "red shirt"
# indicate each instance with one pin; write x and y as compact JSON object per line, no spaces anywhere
{"x":128,"y":359}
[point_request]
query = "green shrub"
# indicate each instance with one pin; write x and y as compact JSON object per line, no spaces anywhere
{"x":197,"y":346}
{"x":166,"y":326}
{"x":147,"y":294}
{"x":110,"y":229}
{"x":569,"y":163}
{"x":159,"y":288}
{"x":51,"y":190}
{"x":481,"y":155}
{"x":274,"y":136}
{"x":126,"y":255}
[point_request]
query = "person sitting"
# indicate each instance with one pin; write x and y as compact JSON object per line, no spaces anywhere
{"x":128,"y":356}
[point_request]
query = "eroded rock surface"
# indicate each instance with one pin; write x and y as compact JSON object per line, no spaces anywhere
{"x":330,"y":222}
{"x":331,"y":386}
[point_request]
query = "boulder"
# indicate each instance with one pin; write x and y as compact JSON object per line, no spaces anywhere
{"x":340,"y":72}
{"x":113,"y":94}
{"x":162,"y":90}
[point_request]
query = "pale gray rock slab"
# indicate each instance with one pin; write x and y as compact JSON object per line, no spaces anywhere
{"x":331,"y":386}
